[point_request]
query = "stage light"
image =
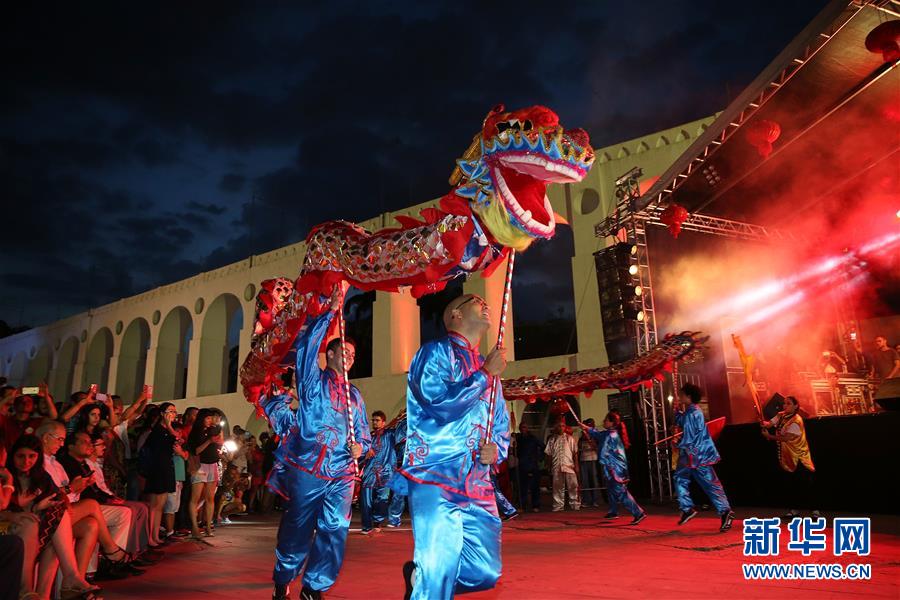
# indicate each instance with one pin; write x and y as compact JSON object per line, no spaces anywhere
{"x":632,"y":270}
{"x":640,"y":316}
{"x":670,"y":398}
{"x":638,"y":290}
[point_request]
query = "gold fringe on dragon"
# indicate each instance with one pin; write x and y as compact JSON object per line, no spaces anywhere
{"x":498,"y":203}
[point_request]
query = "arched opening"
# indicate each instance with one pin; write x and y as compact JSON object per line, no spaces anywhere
{"x":133,"y":360}
{"x":170,"y":376}
{"x":358,"y":322}
{"x":96,"y":362}
{"x":15,"y":373}
{"x":543,"y":298}
{"x":431,"y":310}
{"x":39,"y":367}
{"x":63,"y":376}
{"x":220,"y":346}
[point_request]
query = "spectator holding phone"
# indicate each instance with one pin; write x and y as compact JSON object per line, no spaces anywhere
{"x":204,"y":443}
{"x":23,"y":526}
{"x":35,"y":493}
{"x":21,"y":420}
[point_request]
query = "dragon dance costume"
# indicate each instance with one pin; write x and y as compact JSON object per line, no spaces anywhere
{"x":696,"y":458}
{"x":377,"y":473}
{"x":456,"y":528}
{"x":614,"y":470}
{"x":314,"y":470}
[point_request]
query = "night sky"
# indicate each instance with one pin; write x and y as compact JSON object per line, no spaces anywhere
{"x":142,"y":144}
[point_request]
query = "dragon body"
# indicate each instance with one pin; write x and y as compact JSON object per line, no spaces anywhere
{"x":498,"y":202}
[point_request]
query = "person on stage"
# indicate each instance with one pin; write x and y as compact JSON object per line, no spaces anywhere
{"x":697,"y":455}
{"x":614,"y":465}
{"x":381,"y":460}
{"x":456,"y":528}
{"x":793,"y":454}
{"x":314,"y":470}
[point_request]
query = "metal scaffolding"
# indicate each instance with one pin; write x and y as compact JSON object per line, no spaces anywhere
{"x":653,"y":406}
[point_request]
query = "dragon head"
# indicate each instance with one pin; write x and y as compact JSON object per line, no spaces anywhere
{"x":505,"y":172}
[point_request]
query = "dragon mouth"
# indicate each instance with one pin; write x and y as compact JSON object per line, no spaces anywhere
{"x":526,"y":201}
{"x":542,"y":168}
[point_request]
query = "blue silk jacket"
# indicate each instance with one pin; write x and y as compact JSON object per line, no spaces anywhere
{"x":611,"y":453}
{"x":697,"y":448}
{"x":379,"y":469}
{"x":447,"y":411}
{"x":314,"y":438}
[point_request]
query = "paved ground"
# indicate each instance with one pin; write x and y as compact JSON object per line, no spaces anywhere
{"x":546,"y":555}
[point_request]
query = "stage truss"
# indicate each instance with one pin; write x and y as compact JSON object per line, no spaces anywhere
{"x":630,"y":226}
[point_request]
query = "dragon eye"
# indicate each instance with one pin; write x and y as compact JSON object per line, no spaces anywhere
{"x":511,"y":124}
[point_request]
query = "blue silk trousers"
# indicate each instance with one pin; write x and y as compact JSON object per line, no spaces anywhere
{"x":457,"y":542}
{"x":313,"y":530}
{"x":373,"y":504}
{"x":708,"y":480}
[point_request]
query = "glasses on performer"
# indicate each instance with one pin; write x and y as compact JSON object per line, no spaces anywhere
{"x":480,"y":301}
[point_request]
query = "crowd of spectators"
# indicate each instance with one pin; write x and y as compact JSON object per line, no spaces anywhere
{"x":93,"y":490}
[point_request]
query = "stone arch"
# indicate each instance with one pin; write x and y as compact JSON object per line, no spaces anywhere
{"x":172,"y":349}
{"x":64,"y":374}
{"x":96,"y":361}
{"x":15,"y":372}
{"x":133,"y":360}
{"x":220,"y":346}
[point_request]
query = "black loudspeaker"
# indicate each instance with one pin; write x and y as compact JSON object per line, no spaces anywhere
{"x":888,"y":394}
{"x":773,"y":406}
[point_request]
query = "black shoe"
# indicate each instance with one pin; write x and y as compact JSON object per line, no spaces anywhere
{"x":687,"y":516}
{"x":510,"y":516}
{"x":308,"y":593}
{"x":610,"y":516}
{"x":638,"y":518}
{"x":282,"y":592}
{"x":727,"y":518}
{"x":409,"y":568}
{"x":106,"y":571}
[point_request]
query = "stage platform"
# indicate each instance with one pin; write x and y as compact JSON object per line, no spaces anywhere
{"x":855,"y":458}
{"x":546,"y":556}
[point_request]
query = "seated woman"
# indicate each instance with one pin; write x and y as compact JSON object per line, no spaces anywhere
{"x":34,"y":492}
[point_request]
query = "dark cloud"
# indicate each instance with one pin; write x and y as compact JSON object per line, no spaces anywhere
{"x":232,"y":183}
{"x":278,"y":116}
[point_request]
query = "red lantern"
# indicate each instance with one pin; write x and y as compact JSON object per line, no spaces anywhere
{"x":761,"y":134}
{"x":673,"y":217}
{"x":885,"y":39}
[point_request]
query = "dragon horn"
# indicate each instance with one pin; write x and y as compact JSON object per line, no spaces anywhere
{"x":473,"y":152}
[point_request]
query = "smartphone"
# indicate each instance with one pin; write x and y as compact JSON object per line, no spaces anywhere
{"x":148,"y":391}
{"x":27,"y":391}
{"x":93,"y":389}
{"x":101,"y":397}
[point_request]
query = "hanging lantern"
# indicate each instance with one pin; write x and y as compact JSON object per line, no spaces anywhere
{"x":673,"y":217}
{"x":885,"y":40}
{"x":762,"y":134}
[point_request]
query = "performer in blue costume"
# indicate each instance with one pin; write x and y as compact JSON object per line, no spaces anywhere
{"x":314,"y":468}
{"x":614,"y":465}
{"x":398,"y":496}
{"x":456,"y":528}
{"x":381,"y":462}
{"x":697,"y":455}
